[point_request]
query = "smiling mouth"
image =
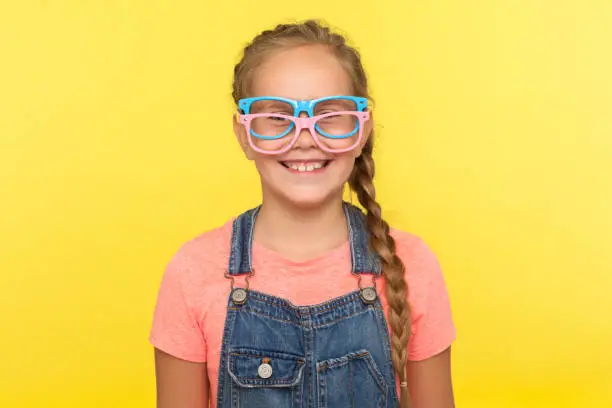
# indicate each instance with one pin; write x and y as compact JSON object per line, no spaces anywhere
{"x":310,"y":166}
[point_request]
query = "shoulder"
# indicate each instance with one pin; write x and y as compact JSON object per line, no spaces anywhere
{"x":196,"y":257}
{"x":413,"y":251}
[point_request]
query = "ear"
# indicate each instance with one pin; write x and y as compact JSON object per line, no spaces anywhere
{"x":240,"y":132}
{"x":368,"y":127}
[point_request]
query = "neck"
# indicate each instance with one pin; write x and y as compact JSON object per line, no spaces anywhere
{"x":301,"y":233}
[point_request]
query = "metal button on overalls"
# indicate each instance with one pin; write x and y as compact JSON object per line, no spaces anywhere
{"x":265,"y":369}
{"x":368,"y":295}
{"x":239,"y":296}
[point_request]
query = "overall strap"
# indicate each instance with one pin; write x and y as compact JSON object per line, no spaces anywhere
{"x":240,"y":262}
{"x":363,"y":259}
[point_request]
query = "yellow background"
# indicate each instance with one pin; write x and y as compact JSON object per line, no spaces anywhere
{"x":495,"y":146}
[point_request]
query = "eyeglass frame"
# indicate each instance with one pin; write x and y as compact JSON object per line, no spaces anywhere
{"x":300,"y":123}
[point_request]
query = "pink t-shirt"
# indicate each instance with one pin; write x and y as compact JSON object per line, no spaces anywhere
{"x":191,"y":306}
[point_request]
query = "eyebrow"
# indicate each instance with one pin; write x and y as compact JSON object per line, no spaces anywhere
{"x":271,"y":104}
{"x":336,"y":102}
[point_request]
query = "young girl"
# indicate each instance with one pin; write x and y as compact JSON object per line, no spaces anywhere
{"x":306,"y":300}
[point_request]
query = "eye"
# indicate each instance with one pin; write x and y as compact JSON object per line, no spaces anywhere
{"x":333,"y":106}
{"x":277,"y":119}
{"x":280,"y":111}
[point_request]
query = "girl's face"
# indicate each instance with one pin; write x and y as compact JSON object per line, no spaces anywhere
{"x":302,"y":73}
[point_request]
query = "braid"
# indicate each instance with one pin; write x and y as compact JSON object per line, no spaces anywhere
{"x":362,"y":183}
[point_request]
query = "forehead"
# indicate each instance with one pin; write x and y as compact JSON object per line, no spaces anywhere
{"x":305,"y":72}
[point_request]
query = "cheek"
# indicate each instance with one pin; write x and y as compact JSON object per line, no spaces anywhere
{"x":344,"y":165}
{"x":270,"y":170}
{"x":264,"y":163}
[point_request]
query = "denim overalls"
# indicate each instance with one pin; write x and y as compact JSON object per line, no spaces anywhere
{"x":335,"y":354}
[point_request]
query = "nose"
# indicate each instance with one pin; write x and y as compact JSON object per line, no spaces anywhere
{"x":305,"y":139}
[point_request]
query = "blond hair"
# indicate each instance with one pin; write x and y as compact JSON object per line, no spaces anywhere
{"x":361,"y":181}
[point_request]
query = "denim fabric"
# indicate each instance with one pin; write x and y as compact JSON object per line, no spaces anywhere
{"x":334,"y":354}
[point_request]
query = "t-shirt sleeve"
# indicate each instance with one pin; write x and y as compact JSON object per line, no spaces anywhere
{"x":433,"y":330}
{"x":176,"y":330}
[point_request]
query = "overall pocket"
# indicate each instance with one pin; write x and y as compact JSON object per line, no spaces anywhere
{"x":351,"y":381}
{"x":265,"y":379}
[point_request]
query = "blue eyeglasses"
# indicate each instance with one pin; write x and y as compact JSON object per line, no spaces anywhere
{"x":299,"y":106}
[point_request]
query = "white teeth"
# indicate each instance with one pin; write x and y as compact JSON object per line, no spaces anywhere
{"x":306,"y":167}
